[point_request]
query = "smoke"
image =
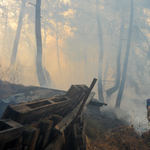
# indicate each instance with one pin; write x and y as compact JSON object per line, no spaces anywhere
{"x":132,"y":111}
{"x":79,"y":48}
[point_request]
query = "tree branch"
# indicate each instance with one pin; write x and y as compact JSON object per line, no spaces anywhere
{"x":31,"y":4}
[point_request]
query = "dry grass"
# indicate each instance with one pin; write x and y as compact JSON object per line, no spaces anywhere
{"x":101,"y":135}
{"x":121,"y":138}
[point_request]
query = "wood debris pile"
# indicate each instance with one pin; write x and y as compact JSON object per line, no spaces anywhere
{"x":48,"y":124}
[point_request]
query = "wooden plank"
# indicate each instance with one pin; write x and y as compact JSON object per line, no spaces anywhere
{"x":57,"y":143}
{"x":79,"y":136}
{"x":77,"y":114}
{"x":83,"y":90}
{"x":85,"y":99}
{"x":9,"y":130}
{"x":26,"y":113}
{"x":55,"y":118}
{"x":14,"y":144}
{"x":97,"y":104}
{"x":30,"y":137}
{"x":80,"y":91}
{"x":64,"y":123}
{"x":73,"y":92}
{"x":19,"y":142}
{"x":45,"y":127}
{"x":2,"y":145}
{"x":90,"y":98}
{"x":72,"y":105}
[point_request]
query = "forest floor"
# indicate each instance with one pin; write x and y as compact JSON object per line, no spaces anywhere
{"x":105,"y":132}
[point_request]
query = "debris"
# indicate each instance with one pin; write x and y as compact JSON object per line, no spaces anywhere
{"x":52,"y":123}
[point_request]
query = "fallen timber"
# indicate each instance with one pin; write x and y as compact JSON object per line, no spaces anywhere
{"x":53,"y":123}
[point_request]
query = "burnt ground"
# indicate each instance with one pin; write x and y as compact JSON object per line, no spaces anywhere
{"x":101,"y":122}
{"x":104,"y":131}
{"x":7,"y":89}
{"x":11,"y":94}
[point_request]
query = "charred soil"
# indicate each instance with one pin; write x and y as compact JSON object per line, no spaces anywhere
{"x":105,"y":132}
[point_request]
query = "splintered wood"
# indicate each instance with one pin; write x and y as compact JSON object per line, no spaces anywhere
{"x":48,"y":124}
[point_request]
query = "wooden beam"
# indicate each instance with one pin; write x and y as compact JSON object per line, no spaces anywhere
{"x":45,"y":127}
{"x":66,"y":121}
{"x":85,"y":99}
{"x":33,"y":111}
{"x":9,"y":130}
{"x":30,"y":137}
{"x":57,"y":143}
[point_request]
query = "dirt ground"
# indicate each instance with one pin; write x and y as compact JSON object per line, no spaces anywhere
{"x":105,"y":132}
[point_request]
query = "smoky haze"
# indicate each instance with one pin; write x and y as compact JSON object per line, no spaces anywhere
{"x":56,"y":43}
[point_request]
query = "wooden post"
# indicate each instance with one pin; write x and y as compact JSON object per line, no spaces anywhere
{"x":45,"y":130}
{"x":30,"y":137}
{"x":85,"y":99}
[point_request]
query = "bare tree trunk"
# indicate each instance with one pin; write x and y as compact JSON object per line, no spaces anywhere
{"x":16,"y":42}
{"x":112,"y":90}
{"x":105,"y":74}
{"x":44,"y":36}
{"x":120,"y":93}
{"x":79,"y":70}
{"x":93,"y":64}
{"x":85,"y":60}
{"x":39,"y":68}
{"x":70,"y":70}
{"x":48,"y":78}
{"x":4,"y":37}
{"x":100,"y":87}
{"x":58,"y":51}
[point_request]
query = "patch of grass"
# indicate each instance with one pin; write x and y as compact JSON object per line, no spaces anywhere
{"x":93,"y":128}
{"x":100,"y":137}
{"x":122,"y":138}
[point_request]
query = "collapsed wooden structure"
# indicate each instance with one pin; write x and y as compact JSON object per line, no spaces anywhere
{"x":48,"y":124}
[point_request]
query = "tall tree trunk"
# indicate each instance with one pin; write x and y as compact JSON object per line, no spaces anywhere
{"x":70,"y":66}
{"x":48,"y":78}
{"x":85,"y":60}
{"x":100,"y":88}
{"x":93,"y":64}
{"x":105,"y":74}
{"x":120,"y":93}
{"x":39,"y":68}
{"x":16,"y":42}
{"x":44,"y":35}
{"x":4,"y":36}
{"x":79,"y":71}
{"x":112,"y":90}
{"x":58,"y":51}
